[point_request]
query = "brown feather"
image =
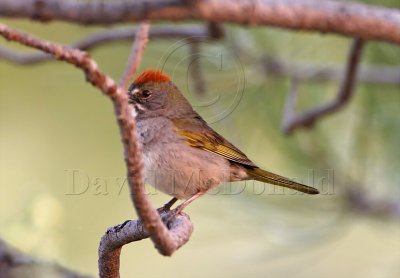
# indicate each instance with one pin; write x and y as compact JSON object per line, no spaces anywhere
{"x":268,"y":177}
{"x":199,"y":135}
{"x":205,"y":138}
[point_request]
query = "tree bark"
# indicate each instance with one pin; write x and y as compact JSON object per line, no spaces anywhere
{"x":367,"y":22}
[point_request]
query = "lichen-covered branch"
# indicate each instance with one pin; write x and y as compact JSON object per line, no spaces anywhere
{"x":350,"y":19}
{"x":291,"y":120}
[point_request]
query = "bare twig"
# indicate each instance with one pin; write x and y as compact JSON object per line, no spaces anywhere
{"x":141,"y":39}
{"x":194,"y":68}
{"x":215,"y":31}
{"x":153,"y":224}
{"x":273,"y":66}
{"x":307,"y":119}
{"x":291,"y":100}
{"x":70,"y":55}
{"x":163,"y":240}
{"x":245,"y":47}
{"x":107,"y":36}
{"x":350,"y":19}
{"x":112,"y":241}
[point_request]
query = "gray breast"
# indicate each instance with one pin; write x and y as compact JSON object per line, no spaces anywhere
{"x":174,"y":167}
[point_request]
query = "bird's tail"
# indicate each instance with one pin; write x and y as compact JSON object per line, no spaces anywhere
{"x":268,"y":177}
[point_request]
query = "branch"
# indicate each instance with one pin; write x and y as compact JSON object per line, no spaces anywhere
{"x":364,"y":203}
{"x":107,"y":36}
{"x":140,"y":42}
{"x":14,"y":263}
{"x":246,"y":49}
{"x":307,"y":119}
{"x":314,"y":72}
{"x":363,"y":21}
{"x":70,"y":55}
{"x":194,"y":68}
{"x":271,"y":65}
{"x":163,"y":240}
{"x":180,"y":228}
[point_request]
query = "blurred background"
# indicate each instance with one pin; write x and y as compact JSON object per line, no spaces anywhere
{"x":62,"y":170}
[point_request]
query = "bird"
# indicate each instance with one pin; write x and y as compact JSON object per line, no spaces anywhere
{"x":182,"y":155}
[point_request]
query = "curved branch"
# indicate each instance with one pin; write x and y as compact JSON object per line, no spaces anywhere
{"x":163,"y":240}
{"x":107,"y":36}
{"x":355,"y":20}
{"x":308,"y":118}
{"x":273,"y":66}
{"x":180,"y":228}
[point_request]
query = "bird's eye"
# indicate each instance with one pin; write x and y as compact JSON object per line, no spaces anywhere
{"x":146,"y":93}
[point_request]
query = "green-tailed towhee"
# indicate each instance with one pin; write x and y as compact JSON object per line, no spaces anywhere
{"x":182,"y":155}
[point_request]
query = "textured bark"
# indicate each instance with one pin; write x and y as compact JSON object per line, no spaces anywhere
{"x":180,"y":229}
{"x":356,"y":20}
{"x":164,"y":241}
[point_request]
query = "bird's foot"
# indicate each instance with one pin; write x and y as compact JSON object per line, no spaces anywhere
{"x":167,"y":206}
{"x":178,"y":209}
{"x":182,"y":206}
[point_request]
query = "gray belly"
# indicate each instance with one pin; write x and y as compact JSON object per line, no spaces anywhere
{"x":174,"y":167}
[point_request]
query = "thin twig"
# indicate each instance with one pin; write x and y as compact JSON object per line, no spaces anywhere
{"x":350,"y":19}
{"x":140,"y":42}
{"x":269,"y":66}
{"x":163,"y":240}
{"x":158,"y":232}
{"x":307,"y":119}
{"x":70,"y":55}
{"x":106,"y":36}
{"x":273,"y":66}
{"x":290,"y":103}
{"x":194,"y":68}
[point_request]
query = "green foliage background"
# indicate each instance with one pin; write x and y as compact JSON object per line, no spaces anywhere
{"x":51,"y":120}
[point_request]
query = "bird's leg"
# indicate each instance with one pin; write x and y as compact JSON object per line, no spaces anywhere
{"x":168,"y":205}
{"x":180,"y":208}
